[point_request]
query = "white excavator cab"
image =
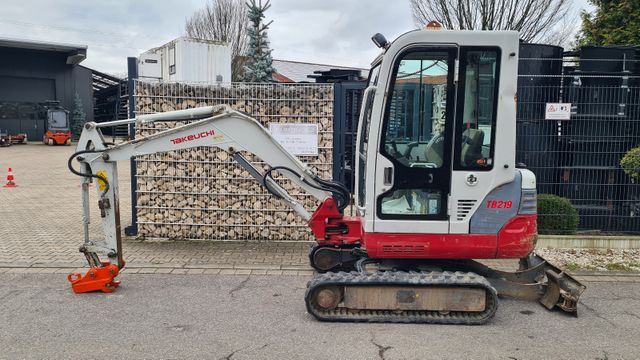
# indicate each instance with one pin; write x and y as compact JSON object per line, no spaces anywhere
{"x":437,"y":130}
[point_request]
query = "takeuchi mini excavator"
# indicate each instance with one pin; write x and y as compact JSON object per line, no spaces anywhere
{"x":436,"y":187}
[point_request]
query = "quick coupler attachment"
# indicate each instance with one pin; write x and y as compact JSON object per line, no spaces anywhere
{"x":96,"y":279}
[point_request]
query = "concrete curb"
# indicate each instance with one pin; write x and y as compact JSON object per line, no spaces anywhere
{"x":588,"y":242}
{"x":176,"y":269}
{"x":259,"y":269}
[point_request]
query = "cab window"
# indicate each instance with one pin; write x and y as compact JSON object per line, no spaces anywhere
{"x":369,"y":96}
{"x":414,"y":130}
{"x":373,"y":75}
{"x":475,"y":128}
{"x":416,"y":134}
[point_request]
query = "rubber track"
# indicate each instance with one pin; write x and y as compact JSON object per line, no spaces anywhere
{"x":401,"y":278}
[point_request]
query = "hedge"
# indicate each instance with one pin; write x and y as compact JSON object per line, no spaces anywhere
{"x":556,"y":215}
{"x":630,"y":163}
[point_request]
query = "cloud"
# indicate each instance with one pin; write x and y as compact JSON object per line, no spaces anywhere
{"x":325,"y":31}
{"x":112,"y":30}
{"x":334,"y":31}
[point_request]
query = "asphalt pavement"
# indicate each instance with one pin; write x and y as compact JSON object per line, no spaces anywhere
{"x":263,"y":317}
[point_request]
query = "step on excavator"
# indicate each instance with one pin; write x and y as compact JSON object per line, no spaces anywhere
{"x":437,"y":188}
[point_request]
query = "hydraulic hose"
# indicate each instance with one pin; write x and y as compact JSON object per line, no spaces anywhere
{"x":337,"y":185}
{"x":339,"y":191}
{"x":89,"y":175}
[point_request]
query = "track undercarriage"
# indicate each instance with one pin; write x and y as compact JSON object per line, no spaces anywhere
{"x":354,"y":288}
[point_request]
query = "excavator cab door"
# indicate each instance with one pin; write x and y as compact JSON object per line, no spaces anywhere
{"x":413,"y":162}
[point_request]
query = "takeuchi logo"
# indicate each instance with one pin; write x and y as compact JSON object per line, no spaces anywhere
{"x":193,"y":137}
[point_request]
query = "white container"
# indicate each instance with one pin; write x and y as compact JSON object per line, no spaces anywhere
{"x":189,"y":60}
{"x":150,"y":66}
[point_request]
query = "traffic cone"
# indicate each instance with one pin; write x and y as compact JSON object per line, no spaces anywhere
{"x":10,"y":182}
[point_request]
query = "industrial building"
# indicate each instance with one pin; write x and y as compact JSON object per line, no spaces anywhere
{"x":33,"y":72}
{"x":288,"y":71}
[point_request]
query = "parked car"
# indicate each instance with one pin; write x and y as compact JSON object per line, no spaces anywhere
{"x":5,"y":137}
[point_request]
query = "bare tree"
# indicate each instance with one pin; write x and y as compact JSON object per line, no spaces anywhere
{"x":534,"y":19}
{"x":222,"y":20}
{"x":564,"y":33}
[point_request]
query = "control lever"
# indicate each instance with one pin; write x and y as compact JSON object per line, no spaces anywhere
{"x":410,"y":146}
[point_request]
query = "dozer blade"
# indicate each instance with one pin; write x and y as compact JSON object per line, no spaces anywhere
{"x":405,"y":297}
{"x":537,"y":279}
{"x":562,"y":289}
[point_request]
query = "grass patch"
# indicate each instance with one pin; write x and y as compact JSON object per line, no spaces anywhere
{"x":618,"y":267}
{"x":572,"y":266}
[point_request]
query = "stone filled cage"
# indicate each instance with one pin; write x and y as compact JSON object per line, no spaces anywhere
{"x":202,"y":193}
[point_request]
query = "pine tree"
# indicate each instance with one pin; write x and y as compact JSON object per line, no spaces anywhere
{"x":78,"y":117}
{"x":258,"y":67}
{"x":614,"y":22}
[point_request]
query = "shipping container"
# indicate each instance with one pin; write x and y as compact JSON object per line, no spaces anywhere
{"x":187,"y":60}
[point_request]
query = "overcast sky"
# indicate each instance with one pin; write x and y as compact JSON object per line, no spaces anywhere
{"x":333,"y":32}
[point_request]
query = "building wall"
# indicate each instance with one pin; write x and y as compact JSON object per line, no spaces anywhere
{"x":33,"y":76}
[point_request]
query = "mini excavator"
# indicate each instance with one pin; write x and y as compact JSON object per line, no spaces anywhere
{"x":436,"y":188}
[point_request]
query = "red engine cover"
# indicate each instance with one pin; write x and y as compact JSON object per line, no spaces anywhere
{"x":516,"y":239}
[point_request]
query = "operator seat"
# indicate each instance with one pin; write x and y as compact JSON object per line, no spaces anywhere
{"x":472,"y":140}
{"x":434,"y":151}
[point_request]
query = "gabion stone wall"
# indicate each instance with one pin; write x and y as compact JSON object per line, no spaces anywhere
{"x":202,"y":193}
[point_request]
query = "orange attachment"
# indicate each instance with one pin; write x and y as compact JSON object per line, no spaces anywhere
{"x":96,"y":279}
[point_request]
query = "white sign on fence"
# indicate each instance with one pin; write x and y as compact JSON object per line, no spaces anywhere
{"x":299,"y":139}
{"x":558,"y":111}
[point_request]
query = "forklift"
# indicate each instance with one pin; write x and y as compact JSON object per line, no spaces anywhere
{"x":58,"y":125}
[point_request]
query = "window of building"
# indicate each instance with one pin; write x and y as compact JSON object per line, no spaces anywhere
{"x":172,"y":60}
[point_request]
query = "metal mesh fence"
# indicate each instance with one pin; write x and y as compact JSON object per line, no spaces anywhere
{"x":579,"y":159}
{"x":202,"y":193}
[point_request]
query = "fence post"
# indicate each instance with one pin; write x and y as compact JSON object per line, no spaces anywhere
{"x":132,"y":69}
{"x":347,"y":98}
{"x":338,"y":132}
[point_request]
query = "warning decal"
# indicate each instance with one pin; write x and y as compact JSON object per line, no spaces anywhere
{"x":557,"y":111}
{"x":101,"y":184}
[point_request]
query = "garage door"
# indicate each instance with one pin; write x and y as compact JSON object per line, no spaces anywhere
{"x":19,"y":104}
